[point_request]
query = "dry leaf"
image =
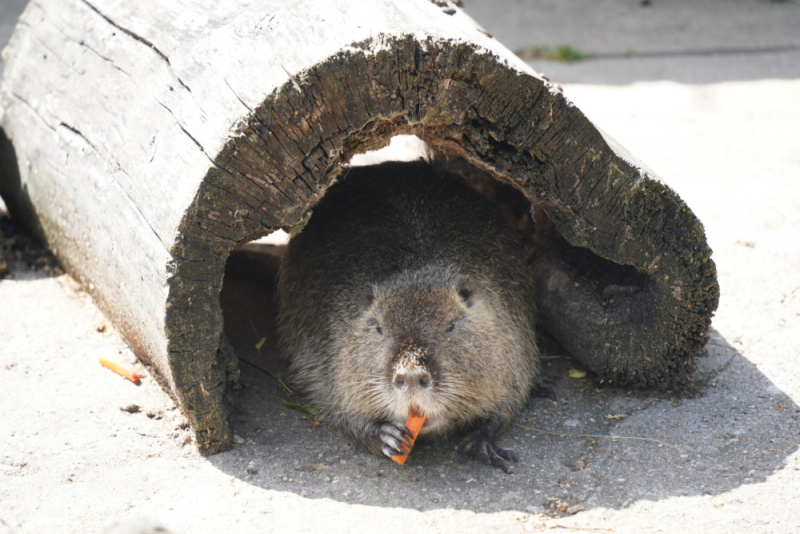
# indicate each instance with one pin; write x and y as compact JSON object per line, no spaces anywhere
{"x":576,"y":373}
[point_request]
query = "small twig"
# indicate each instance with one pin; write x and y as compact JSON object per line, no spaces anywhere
{"x":287,"y":389}
{"x":290,"y":392}
{"x":255,"y":330}
{"x":600,"y":436}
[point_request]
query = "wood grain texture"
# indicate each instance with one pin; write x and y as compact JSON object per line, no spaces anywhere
{"x":154,"y":138}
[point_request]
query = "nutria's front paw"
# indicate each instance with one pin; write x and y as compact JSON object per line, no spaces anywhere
{"x":478,"y":444}
{"x":392,"y":435}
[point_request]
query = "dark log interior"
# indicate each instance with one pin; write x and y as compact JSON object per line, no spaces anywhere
{"x":249,"y":305}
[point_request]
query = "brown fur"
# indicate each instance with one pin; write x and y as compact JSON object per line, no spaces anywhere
{"x":403,"y":270}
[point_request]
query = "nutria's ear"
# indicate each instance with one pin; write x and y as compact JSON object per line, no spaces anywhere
{"x":465,"y":289}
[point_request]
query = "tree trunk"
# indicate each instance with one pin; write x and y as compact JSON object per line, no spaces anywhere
{"x":153,"y":138}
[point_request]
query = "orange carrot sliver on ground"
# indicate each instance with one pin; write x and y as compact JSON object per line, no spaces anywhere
{"x":414,"y":425}
{"x":120,"y":370}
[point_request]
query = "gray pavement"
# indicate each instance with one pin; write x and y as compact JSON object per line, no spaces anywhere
{"x":639,"y":40}
{"x":9,"y":13}
{"x":721,"y":129}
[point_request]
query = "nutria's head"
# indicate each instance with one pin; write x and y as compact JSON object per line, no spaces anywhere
{"x":428,"y":342}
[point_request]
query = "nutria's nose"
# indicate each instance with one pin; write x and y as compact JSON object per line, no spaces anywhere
{"x":412,"y":379}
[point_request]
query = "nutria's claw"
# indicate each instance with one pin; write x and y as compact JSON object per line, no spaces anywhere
{"x":545,"y":388}
{"x":482,"y":449}
{"x":507,"y":454}
{"x":392,"y":436}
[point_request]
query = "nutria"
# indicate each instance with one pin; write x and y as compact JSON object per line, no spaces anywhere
{"x":407,"y":290}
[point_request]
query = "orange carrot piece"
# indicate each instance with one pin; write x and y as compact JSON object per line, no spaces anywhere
{"x":120,"y":370}
{"x":414,"y":425}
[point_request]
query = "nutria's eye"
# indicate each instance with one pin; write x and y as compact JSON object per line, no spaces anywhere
{"x":451,"y":327}
{"x":378,"y":330}
{"x":465,"y":289}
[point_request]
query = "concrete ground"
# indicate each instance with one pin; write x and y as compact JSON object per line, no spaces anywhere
{"x":713,"y":110}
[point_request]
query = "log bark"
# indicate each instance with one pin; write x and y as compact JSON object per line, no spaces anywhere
{"x":154,"y":138}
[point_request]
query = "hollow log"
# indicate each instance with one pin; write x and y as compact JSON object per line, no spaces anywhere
{"x":153,"y":138}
